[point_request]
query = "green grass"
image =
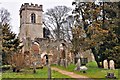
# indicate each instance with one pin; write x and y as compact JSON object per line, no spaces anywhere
{"x":95,"y":72}
{"x":92,"y":72}
{"x":41,"y":73}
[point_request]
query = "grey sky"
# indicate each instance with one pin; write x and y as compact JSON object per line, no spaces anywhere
{"x":13,"y":7}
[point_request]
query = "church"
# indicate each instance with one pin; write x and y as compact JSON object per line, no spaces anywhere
{"x":32,"y":34}
{"x":34,"y":37}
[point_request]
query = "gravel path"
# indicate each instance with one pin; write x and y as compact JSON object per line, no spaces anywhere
{"x":71,"y":74}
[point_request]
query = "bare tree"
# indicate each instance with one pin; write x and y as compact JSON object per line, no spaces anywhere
{"x":4,"y":16}
{"x":54,"y":18}
{"x":67,"y":28}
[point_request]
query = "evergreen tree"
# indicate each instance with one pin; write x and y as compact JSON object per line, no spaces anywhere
{"x":111,"y":45}
{"x":100,"y":24}
{"x":10,"y":43}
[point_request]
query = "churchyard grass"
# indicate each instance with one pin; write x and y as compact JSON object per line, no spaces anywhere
{"x":92,"y":72}
{"x":28,"y":73}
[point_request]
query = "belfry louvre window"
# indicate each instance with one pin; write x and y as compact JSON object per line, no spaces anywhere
{"x":33,"y":18}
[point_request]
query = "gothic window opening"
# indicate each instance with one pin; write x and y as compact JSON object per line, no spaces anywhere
{"x":33,"y":18}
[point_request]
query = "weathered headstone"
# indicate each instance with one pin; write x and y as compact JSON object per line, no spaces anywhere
{"x":78,"y":64}
{"x":105,"y":64}
{"x":111,"y":64}
{"x":83,"y":68}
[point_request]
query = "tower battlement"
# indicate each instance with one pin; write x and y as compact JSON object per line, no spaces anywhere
{"x":31,"y":6}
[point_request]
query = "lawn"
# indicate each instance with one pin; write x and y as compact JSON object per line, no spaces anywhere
{"x":41,"y":73}
{"x":92,"y":72}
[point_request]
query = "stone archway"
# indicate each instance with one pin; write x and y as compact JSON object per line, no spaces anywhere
{"x":35,"y":48}
{"x":35,"y":52}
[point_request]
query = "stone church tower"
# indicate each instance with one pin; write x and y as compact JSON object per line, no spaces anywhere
{"x":30,"y":23}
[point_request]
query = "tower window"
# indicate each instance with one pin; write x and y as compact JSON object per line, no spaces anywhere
{"x":32,"y":18}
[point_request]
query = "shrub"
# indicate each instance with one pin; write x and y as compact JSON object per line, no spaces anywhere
{"x":92,"y":64}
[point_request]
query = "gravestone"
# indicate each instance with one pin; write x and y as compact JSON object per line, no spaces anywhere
{"x":111,"y":64}
{"x":105,"y":64}
{"x":83,"y":68}
{"x":78,"y":64}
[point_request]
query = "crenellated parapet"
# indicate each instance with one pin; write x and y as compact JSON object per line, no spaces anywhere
{"x":27,"y":6}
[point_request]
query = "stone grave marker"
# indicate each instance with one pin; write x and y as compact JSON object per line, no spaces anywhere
{"x":111,"y":64}
{"x":78,"y":64}
{"x":105,"y":64}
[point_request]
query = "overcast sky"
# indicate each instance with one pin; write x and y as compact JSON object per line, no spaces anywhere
{"x":13,"y":7}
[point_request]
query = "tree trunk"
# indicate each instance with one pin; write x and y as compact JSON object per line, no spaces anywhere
{"x":14,"y":69}
{"x":58,"y":57}
{"x":103,"y":23}
{"x":66,"y":61}
{"x":58,"y":31}
{"x":102,"y":64}
{"x":96,"y":56}
{"x":73,"y":58}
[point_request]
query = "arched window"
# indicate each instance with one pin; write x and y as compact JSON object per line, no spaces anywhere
{"x":33,"y":18}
